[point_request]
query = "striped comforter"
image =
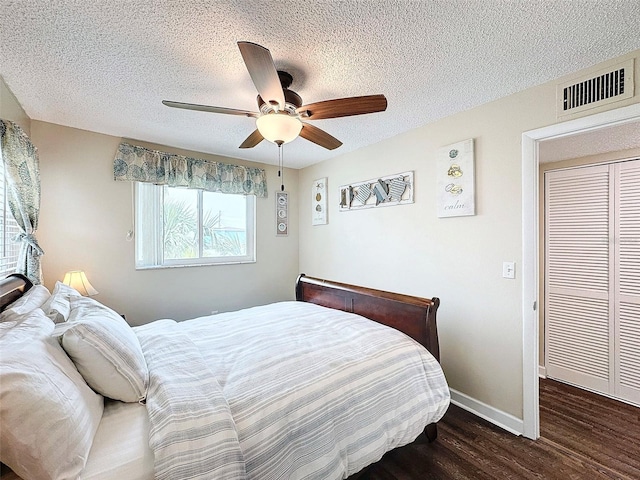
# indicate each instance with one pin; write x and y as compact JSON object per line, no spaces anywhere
{"x":289,"y":390}
{"x":192,"y":433}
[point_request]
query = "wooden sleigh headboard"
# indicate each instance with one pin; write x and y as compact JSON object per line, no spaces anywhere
{"x":12,"y":288}
{"x":414,"y":316}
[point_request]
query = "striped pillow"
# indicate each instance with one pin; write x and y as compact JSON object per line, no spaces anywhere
{"x":48,"y":414}
{"x":105,"y":350}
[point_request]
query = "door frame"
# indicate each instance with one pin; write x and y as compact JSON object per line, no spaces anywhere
{"x":530,"y":248}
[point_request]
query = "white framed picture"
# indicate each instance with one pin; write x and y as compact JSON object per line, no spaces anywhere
{"x":282,"y":214}
{"x":456,"y":180}
{"x":319,"y":202}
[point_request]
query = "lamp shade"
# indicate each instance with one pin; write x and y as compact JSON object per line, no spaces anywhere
{"x":78,"y":280}
{"x":279,"y":127}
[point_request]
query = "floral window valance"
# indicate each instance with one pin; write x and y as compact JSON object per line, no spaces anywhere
{"x":139,"y":164}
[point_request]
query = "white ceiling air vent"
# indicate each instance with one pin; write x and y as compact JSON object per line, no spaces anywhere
{"x":606,"y":86}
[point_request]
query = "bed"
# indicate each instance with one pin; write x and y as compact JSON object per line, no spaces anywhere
{"x":315,"y":388}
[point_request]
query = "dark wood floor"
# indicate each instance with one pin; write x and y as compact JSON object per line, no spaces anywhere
{"x":583,"y":436}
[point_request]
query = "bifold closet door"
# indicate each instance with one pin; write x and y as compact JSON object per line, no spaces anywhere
{"x":592,"y":277}
{"x":578,"y":333}
{"x":627,"y":304}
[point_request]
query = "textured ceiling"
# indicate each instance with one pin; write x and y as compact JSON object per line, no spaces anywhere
{"x":592,"y":142}
{"x":105,"y":66}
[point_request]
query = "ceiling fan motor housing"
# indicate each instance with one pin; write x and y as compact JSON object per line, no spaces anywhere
{"x":291,"y":98}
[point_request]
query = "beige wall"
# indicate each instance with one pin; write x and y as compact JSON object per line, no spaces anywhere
{"x":408,"y":249}
{"x":10,"y":108}
{"x":85,"y":216}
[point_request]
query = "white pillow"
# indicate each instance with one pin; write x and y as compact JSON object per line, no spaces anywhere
{"x":48,"y":414}
{"x":65,"y":290}
{"x":105,"y":350}
{"x":57,"y":307}
{"x":32,"y":299}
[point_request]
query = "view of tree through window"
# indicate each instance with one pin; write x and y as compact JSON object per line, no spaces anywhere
{"x":188,"y":227}
{"x":224,"y":225}
{"x":203,"y":224}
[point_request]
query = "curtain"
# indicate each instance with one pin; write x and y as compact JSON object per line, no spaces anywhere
{"x":22,"y":174}
{"x":139,"y":164}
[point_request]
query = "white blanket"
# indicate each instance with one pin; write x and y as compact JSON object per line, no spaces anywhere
{"x":310,"y":392}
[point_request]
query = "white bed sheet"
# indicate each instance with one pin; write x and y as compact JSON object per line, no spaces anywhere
{"x":120,"y":448}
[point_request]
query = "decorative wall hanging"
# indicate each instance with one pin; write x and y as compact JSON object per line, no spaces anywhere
{"x":456,"y":180}
{"x":319,"y":202}
{"x":282,"y":214}
{"x":380,"y":192}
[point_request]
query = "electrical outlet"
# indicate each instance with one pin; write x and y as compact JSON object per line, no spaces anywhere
{"x":508,"y":270}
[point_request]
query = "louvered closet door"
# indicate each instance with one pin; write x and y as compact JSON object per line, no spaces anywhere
{"x":627,"y":253}
{"x":578,"y":334}
{"x":592,"y":278}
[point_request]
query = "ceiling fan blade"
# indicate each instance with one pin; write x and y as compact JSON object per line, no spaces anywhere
{"x":252,"y":140}
{"x":343,"y":107}
{"x":319,"y":137}
{"x":208,"y":108}
{"x":262,"y":71}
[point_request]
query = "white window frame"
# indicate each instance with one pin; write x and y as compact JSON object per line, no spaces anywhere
{"x":149,"y":232}
{"x":9,"y":249}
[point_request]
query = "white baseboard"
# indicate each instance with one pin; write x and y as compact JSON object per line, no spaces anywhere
{"x":491,"y":414}
{"x":542,"y":371}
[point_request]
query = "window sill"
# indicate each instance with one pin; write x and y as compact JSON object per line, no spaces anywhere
{"x":187,"y":265}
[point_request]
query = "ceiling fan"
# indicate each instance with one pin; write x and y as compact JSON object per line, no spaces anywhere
{"x":282,"y":116}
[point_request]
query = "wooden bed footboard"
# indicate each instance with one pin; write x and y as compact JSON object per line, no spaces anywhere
{"x":414,"y":316}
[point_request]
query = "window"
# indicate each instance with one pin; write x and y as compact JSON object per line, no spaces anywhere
{"x":8,"y":230}
{"x":180,"y":227}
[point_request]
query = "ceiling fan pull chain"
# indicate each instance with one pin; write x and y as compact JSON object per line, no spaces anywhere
{"x":281,"y":166}
{"x":279,"y":160}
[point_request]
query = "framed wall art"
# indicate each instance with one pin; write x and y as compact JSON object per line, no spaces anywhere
{"x":319,"y":202}
{"x":379,"y":192}
{"x":282,"y":214}
{"x":456,"y":180}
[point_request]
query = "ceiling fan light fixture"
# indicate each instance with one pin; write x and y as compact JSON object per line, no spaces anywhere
{"x":279,"y":128}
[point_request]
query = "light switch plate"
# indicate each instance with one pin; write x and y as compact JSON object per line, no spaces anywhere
{"x":508,"y":269}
